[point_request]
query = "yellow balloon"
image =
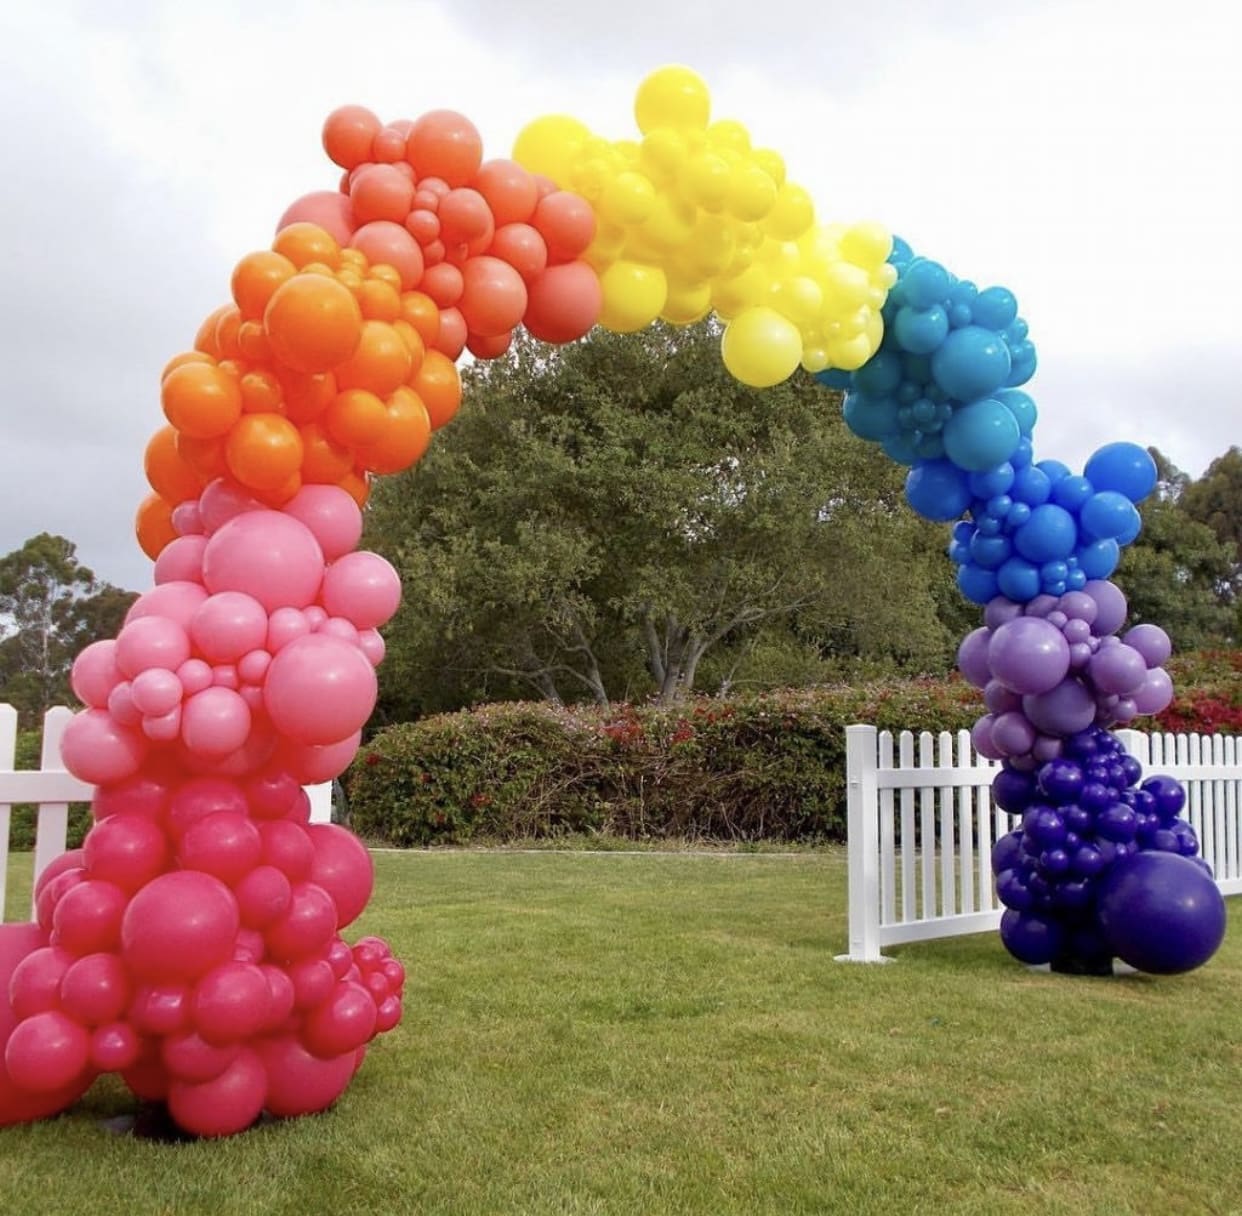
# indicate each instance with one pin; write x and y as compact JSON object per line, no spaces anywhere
{"x":772,"y":163}
{"x":661,"y":154}
{"x":706,"y":180}
{"x":729,"y":133}
{"x":761,"y":348}
{"x":867,"y":244}
{"x":850,"y":354}
{"x":672,"y":97}
{"x":751,"y":192}
{"x":628,"y":198}
{"x":792,"y":214}
{"x":799,"y":298}
{"x":711,"y":246}
{"x":670,"y":224}
{"x":550,"y":145}
{"x":605,"y":248}
{"x":634,"y":295}
{"x":734,"y":295}
{"x":687,"y":303}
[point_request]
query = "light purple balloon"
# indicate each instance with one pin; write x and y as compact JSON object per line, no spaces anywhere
{"x":1058,"y":618}
{"x":1151,"y":642}
{"x":1012,"y":734}
{"x":1126,"y":710}
{"x":1076,"y":630}
{"x":1047,"y":747}
{"x":1078,"y":606}
{"x":1041,"y":605}
{"x":1000,"y":610}
{"x":1156,"y":694}
{"x":999,"y":699}
{"x":1111,"y":605}
{"x":1118,"y":669}
{"x":972,"y":657}
{"x":1063,"y":710}
{"x":1024,"y":764}
{"x":1080,"y":655}
{"x":1028,"y":655}
{"x":981,"y":737}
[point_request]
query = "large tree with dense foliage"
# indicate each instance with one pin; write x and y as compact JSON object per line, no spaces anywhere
{"x":51,"y":606}
{"x":621,"y":519}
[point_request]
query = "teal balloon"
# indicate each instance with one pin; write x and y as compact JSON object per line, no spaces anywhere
{"x":873,"y":418}
{"x":920,"y":331}
{"x":972,"y":362}
{"x":1021,"y":407}
{"x":980,"y":436}
{"x":881,"y":375}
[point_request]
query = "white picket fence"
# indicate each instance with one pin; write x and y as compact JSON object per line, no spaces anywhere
{"x":52,"y":789}
{"x":921,"y":826}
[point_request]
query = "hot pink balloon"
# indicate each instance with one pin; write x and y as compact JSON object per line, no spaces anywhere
{"x":97,"y":749}
{"x":215,"y":722}
{"x":300,"y":1083}
{"x":311,"y":765}
{"x":319,"y":690}
{"x":268,"y":555}
{"x":228,"y":625}
{"x":178,"y":927}
{"x":227,"y":1104}
{"x":47,"y":1052}
{"x":178,"y":601}
{"x":344,"y":869}
{"x":362,"y":587}
{"x":327,"y":209}
{"x":331,"y":514}
{"x":181,"y":561}
{"x":95,"y":674}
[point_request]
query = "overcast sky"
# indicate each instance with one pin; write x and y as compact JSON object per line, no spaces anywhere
{"x":1087,"y":155}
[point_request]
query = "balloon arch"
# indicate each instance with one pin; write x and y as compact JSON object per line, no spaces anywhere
{"x":193,"y":944}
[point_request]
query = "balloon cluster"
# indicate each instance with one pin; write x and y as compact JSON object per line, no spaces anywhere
{"x":943,"y":385}
{"x":1054,"y":666}
{"x":1077,"y":877}
{"x":694,"y":218}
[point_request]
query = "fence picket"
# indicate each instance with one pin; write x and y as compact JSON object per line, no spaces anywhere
{"x":948,"y":877}
{"x":927,"y":825}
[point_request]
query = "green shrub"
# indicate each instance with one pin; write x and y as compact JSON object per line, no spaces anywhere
{"x":748,"y":768}
{"x":24,"y":814}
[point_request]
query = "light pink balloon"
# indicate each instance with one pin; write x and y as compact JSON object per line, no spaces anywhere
{"x":315,"y":616}
{"x":329,"y":209}
{"x":151,"y":641}
{"x":319,"y":690}
{"x":178,"y":601}
{"x":215,"y":722}
{"x":340,"y":627}
{"x":96,"y":749}
{"x":331,"y":514}
{"x":228,"y":625}
{"x":121,"y":705}
{"x":187,"y":520}
{"x":156,"y":691}
{"x":284,"y":626}
{"x":372,"y":644}
{"x":95,"y":674}
{"x":195,"y":675}
{"x":363,"y":587}
{"x":311,"y":765}
{"x":223,"y":500}
{"x":164,"y":728}
{"x":268,"y":555}
{"x":253,"y":666}
{"x":181,"y":561}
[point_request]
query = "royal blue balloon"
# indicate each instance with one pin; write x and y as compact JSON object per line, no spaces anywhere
{"x":1108,"y":515}
{"x":1023,"y":454}
{"x":937,"y":490}
{"x":979,"y":436}
{"x":1124,"y":467}
{"x":1032,"y":486}
{"x":1021,"y":406}
{"x":1049,"y":534}
{"x":976,"y":584}
{"x":1071,"y":492}
{"x":1018,"y":580}
{"x":1161,"y":913}
{"x":1053,"y":470}
{"x":971,"y":363}
{"x":990,"y":552}
{"x":992,"y":481}
{"x":1098,"y":559}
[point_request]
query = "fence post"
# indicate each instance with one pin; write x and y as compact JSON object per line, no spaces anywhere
{"x":8,"y":760}
{"x":53,"y":823}
{"x":862,"y":846}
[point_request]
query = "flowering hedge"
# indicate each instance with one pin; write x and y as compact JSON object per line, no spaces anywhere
{"x":1208,"y":685}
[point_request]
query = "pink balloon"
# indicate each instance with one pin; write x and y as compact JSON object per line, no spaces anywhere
{"x":34,"y":982}
{"x":280,"y":992}
{"x":223,"y":500}
{"x":328,"y":209}
{"x":342,"y":1023}
{"x":182,"y":560}
{"x":344,"y":869}
{"x":227,"y":1104}
{"x":95,"y":989}
{"x":363,"y":587}
{"x":315,"y":616}
{"x":215,"y":722}
{"x":228,"y":625}
{"x":306,"y":928}
{"x":372,"y":644}
{"x":126,"y":849}
{"x":382,"y":241}
{"x":178,"y":927}
{"x":146,"y":794}
{"x":121,"y":705}
{"x":47,"y":1052}
{"x":231,"y":1003}
{"x":268,"y":555}
{"x":189,"y":1057}
{"x":300,"y":1083}
{"x":263,"y":896}
{"x":73,"y":859}
{"x":88,"y":918}
{"x":226,"y":845}
{"x":331,"y":514}
{"x":286,"y":625}
{"x":163,"y":728}
{"x":313,"y":981}
{"x":177,"y":601}
{"x":151,"y":641}
{"x":114,"y":1047}
{"x":340,"y":627}
{"x":195,"y":675}
{"x":96,"y":749}
{"x":156,"y":691}
{"x":287,"y":846}
{"x":203,"y":796}
{"x":160,"y":1009}
{"x":271,"y":793}
{"x":187,"y":520}
{"x":224,"y":675}
{"x":95,"y":673}
{"x":311,"y":765}
{"x":253,"y":665}
{"x":319,"y":690}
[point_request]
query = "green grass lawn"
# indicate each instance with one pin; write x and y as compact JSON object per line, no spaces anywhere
{"x":669,"y":1034}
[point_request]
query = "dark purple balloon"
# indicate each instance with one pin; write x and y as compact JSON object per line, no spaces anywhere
{"x":1028,"y":655}
{"x":1013,"y":892}
{"x":1063,"y":710}
{"x":1013,"y":791}
{"x":1169,"y":795}
{"x":1006,"y":852}
{"x":1061,"y":781}
{"x":1118,"y":823}
{"x":1031,"y":939}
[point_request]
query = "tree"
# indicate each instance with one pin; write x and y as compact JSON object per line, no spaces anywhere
{"x":1179,"y":573}
{"x":1216,"y":498}
{"x":51,"y":607}
{"x":601,"y":518}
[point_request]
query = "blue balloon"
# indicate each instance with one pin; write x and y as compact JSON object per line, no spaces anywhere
{"x":937,"y":490}
{"x":1134,"y":527}
{"x":1109,"y":515}
{"x":873,"y":418}
{"x":1018,"y":580}
{"x":901,"y":448}
{"x":1124,"y":467}
{"x":976,"y":584}
{"x":925,"y":283}
{"x":1054,"y":470}
{"x":834,"y":378}
{"x":1023,"y":454}
{"x":881,"y":375}
{"x":979,"y":436}
{"x":990,"y":552}
{"x":995,"y":307}
{"x":1022,"y":363}
{"x":920,"y":330}
{"x":1032,"y":486}
{"x":992,"y":481}
{"x":1099,"y":558}
{"x":1049,"y":534}
{"x":1022,"y":407}
{"x":972,"y":362}
{"x":1071,"y":492}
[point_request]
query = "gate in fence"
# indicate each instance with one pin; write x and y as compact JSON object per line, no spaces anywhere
{"x":922,"y":823}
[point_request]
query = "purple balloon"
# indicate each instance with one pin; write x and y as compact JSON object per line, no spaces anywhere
{"x":1151,"y":642}
{"x":981,"y":737}
{"x":1028,"y":655}
{"x":1156,"y":694}
{"x":1080,"y":655}
{"x":1076,"y":631}
{"x":1110,"y":603}
{"x":1118,"y":670}
{"x":999,"y":699}
{"x":1078,"y":606}
{"x":972,"y":657}
{"x":1047,"y":748}
{"x":1041,"y":605}
{"x":1012,"y":734}
{"x":1126,"y":710}
{"x":1000,"y":610}
{"x":1063,"y":710}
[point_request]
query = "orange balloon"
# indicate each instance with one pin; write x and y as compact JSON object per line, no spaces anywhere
{"x":306,"y":397}
{"x":260,"y":392}
{"x":357,"y":486}
{"x":282,"y":493}
{"x":348,"y":134}
{"x":509,"y":189}
{"x":387,"y":274}
{"x":356,"y":418}
{"x":205,"y":339}
{"x":380,"y":362}
{"x":304,"y":243}
{"x":256,"y":277}
{"x":263,"y":451}
{"x":421,"y":311}
{"x":200,"y":399}
{"x":189,"y":356}
{"x":228,"y":331}
{"x":153,"y":525}
{"x":413,"y":341}
{"x":312,"y":322}
{"x":204,"y":456}
{"x":439,"y":387}
{"x":446,"y":145}
{"x":171,"y":477}
{"x":381,"y":192}
{"x":253,"y":343}
{"x":324,"y":461}
{"x":406,"y":434}
{"x":379,"y":300}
